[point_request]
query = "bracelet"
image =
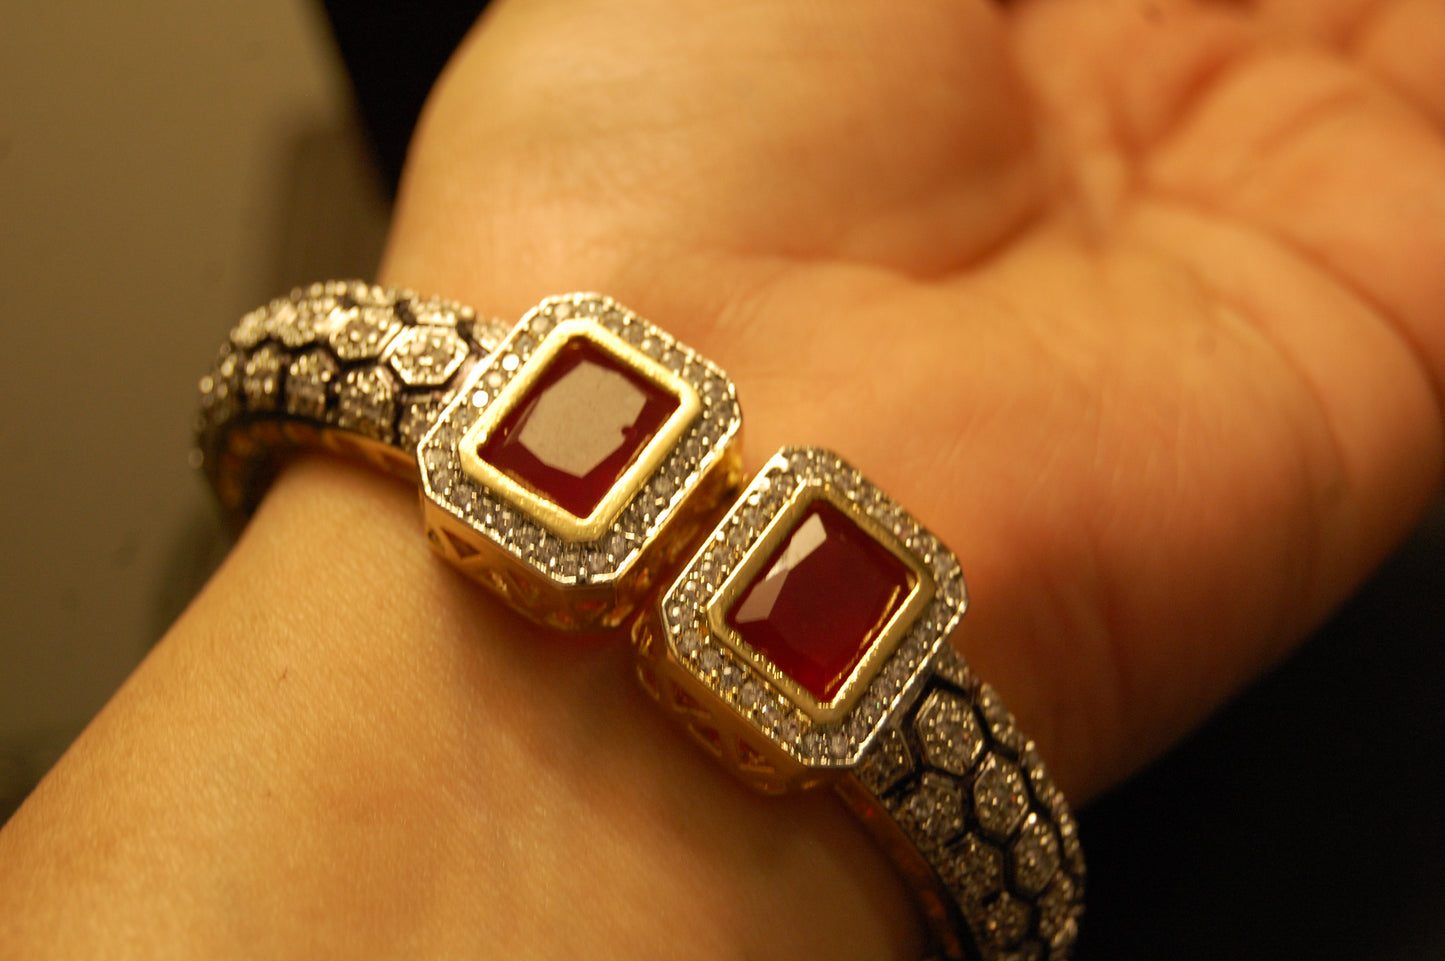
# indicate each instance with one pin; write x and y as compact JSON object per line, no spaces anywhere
{"x":585,"y":467}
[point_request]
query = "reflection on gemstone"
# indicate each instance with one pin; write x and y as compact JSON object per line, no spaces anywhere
{"x":758,"y":605}
{"x":578,"y":427}
{"x":582,"y":420}
{"x":821,"y":600}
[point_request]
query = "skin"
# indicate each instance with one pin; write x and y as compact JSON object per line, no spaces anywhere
{"x":1136,"y":304}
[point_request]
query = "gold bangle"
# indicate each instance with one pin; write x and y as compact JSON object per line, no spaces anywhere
{"x":585,"y":466}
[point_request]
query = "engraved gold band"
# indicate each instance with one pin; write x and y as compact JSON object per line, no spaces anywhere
{"x":543,"y":478}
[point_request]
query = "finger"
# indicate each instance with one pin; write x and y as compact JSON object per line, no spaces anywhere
{"x":569,"y":146}
{"x":1281,"y":220}
{"x":1111,"y":79}
{"x":1292,"y":139}
{"x":1404,"y":44}
{"x":1330,"y":22}
{"x":1400,"y":41}
{"x":1316,"y":155}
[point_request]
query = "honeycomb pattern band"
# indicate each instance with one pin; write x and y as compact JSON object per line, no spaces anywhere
{"x":360,"y":369}
{"x":954,"y":783}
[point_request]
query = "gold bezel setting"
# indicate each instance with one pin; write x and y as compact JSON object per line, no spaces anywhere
{"x":881,"y":648}
{"x":758,"y":693}
{"x":675,"y":464}
{"x":556,"y":519}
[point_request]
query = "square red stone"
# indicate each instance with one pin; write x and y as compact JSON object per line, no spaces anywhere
{"x":821,"y":599}
{"x":578,"y":427}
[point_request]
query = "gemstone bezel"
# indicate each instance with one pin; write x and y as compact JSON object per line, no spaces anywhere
{"x":724,"y":671}
{"x":879,"y":649}
{"x":699,"y":467}
{"x":549,"y":514}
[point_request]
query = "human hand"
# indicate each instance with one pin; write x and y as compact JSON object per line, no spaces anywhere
{"x":1137,"y":304}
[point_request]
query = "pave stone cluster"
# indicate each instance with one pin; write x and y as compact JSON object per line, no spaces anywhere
{"x":343,"y":357}
{"x":971,"y":794}
{"x":750,"y":691}
{"x":560,"y":561}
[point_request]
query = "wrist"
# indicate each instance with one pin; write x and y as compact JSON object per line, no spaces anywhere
{"x":431,"y":770}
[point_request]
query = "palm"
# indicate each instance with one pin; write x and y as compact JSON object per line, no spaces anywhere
{"x":1145,"y":328}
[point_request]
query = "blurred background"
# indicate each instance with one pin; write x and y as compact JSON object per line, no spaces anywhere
{"x":166,"y":165}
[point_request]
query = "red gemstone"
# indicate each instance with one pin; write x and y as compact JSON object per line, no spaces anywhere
{"x":578,"y":427}
{"x":821,"y":600}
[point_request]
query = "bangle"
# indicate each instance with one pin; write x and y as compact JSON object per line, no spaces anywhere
{"x":585,"y":467}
